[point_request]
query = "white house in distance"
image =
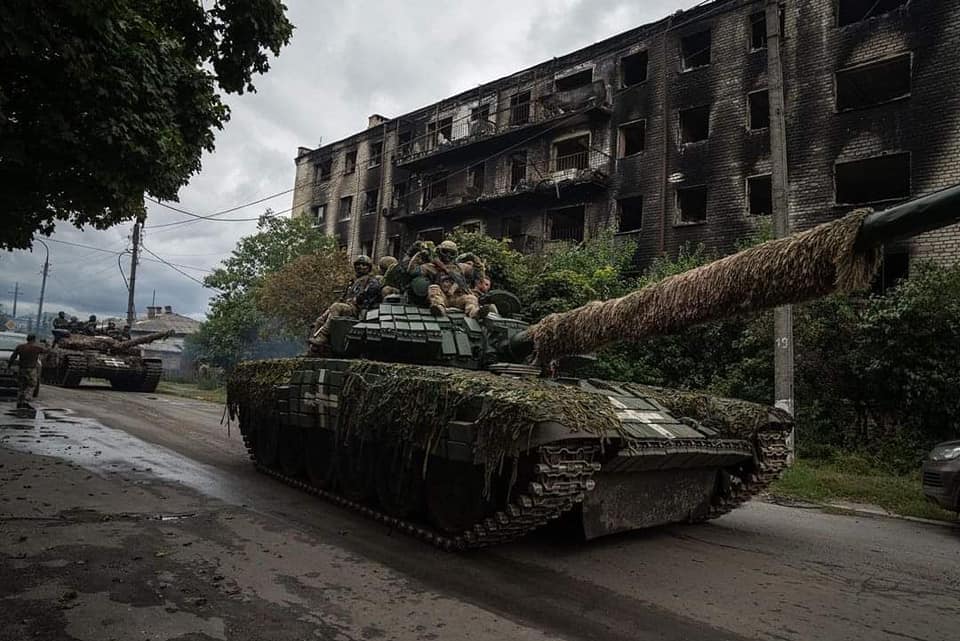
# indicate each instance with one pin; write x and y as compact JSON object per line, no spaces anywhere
{"x":169,"y":350}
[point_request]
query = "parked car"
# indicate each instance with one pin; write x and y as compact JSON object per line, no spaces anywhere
{"x":941,"y":475}
{"x":8,"y":377}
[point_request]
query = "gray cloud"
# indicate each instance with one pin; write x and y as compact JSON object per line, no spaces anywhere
{"x":347,"y":60}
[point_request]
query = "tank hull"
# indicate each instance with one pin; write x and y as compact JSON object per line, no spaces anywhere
{"x":124,"y":372}
{"x":300,"y":423}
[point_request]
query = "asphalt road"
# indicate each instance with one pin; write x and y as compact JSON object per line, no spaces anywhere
{"x":762,"y":572}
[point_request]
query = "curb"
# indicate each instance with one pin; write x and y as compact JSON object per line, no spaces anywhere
{"x":858,"y":510}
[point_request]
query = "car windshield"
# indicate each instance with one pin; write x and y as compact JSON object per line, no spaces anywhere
{"x":9,"y":341}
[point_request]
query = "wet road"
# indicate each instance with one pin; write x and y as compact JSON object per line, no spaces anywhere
{"x":763,"y":572}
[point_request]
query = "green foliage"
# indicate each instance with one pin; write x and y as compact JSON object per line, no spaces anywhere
{"x":506,"y":267}
{"x":102,"y":102}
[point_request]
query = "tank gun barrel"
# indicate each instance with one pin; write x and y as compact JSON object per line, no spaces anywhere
{"x":140,"y":340}
{"x":838,"y":256}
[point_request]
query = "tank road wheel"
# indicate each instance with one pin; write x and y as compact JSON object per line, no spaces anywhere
{"x":355,"y":470}
{"x":71,"y":371}
{"x":267,"y":439}
{"x":454,"y":494}
{"x":399,"y":481}
{"x":291,"y":450}
{"x":319,"y":455}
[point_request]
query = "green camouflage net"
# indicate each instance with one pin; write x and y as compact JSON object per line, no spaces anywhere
{"x":731,"y":417}
{"x":252,"y":382}
{"x":414,"y":404}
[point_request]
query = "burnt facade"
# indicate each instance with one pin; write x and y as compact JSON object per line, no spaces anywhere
{"x":662,"y":133}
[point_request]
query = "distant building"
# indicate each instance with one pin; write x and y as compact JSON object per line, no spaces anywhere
{"x":662,"y":134}
{"x":169,"y":350}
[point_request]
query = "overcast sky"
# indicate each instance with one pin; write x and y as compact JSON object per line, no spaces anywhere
{"x":347,"y":60}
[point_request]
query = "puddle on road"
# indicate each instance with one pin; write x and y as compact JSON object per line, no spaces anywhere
{"x":61,"y":433}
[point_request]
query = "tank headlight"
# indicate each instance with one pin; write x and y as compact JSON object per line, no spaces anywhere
{"x":945,"y":453}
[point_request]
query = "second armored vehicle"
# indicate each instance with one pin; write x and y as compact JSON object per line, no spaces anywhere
{"x":74,"y":357}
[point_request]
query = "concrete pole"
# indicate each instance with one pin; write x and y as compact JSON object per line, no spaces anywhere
{"x":782,"y":316}
{"x":134,"y":257}
{"x":16,"y":295}
{"x":43,"y":283}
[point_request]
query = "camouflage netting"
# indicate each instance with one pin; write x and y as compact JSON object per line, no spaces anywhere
{"x":409,"y":403}
{"x":795,"y":269}
{"x":101,"y":343}
{"x":252,"y":382}
{"x":731,"y":417}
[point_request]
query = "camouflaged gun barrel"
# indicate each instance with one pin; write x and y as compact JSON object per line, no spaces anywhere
{"x":140,"y":340}
{"x":839,"y":256}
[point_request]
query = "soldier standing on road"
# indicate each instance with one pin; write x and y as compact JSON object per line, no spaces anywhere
{"x":27,"y":379}
{"x":364,"y":293}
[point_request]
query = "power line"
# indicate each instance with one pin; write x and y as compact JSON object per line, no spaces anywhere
{"x":174,"y":268}
{"x":117,"y":253}
{"x":214,"y":215}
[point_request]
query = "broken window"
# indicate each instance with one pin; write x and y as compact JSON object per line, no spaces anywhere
{"x":633,"y":138}
{"x":758,"y":31}
{"x":566,"y":223}
{"x":324,"y":170}
{"x":695,"y":124}
{"x":346,"y":207}
{"x":572,"y":153}
{"x":440,"y":131}
{"x":633,"y":69}
{"x":476,"y":176}
{"x":850,"y":11}
{"x":404,"y":138}
{"x":434,"y":235}
{"x":400,"y":191}
{"x":319,"y":214}
{"x":376,"y":152}
{"x":480,"y":113}
{"x":370,"y":201}
{"x":393,"y":246}
{"x":435,"y":186}
{"x":760,"y":195}
{"x":695,"y":50}
{"x":512,"y":227}
{"x":518,"y":168}
{"x":894,"y":268}
{"x":874,"y":83}
{"x":574,"y":80}
{"x":630,"y":214}
{"x":350,"y":162}
{"x":759,"y":109}
{"x":366,"y":247}
{"x":873,"y":179}
{"x":692,"y":204}
{"x":520,"y":108}
{"x":471,"y":226}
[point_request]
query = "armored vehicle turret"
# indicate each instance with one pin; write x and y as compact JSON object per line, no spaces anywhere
{"x":77,"y":356}
{"x":469,"y":433}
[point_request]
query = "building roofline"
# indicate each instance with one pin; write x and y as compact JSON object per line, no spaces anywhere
{"x":664,"y":24}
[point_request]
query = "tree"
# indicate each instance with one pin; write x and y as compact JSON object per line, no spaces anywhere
{"x":102,"y":102}
{"x":297,"y":293}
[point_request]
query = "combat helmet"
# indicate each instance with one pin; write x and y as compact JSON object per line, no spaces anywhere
{"x":447,"y":250}
{"x":362,"y":265}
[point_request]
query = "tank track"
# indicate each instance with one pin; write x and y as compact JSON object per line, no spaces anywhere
{"x":562,"y":476}
{"x":151,"y":377}
{"x":774,"y":452}
{"x":76,"y":367}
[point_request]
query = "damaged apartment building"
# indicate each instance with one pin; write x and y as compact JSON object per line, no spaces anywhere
{"x":662,"y":133}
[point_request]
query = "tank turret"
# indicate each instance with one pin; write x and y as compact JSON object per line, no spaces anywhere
{"x":78,"y":356}
{"x":127,"y":345}
{"x":448,"y":428}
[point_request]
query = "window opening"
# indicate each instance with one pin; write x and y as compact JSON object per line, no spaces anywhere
{"x":440,"y":131}
{"x":566,"y":223}
{"x":319,"y":214}
{"x":572,"y":153}
{"x":434,"y":187}
{"x":434,"y":235}
{"x":850,"y":11}
{"x":400,"y":191}
{"x":393,"y":246}
{"x":758,"y":31}
{"x":404,"y":139}
{"x":630,"y":218}
{"x":350,"y":162}
{"x":346,"y":207}
{"x":873,"y":84}
{"x":695,"y":50}
{"x":376,"y":151}
{"x":894,"y":268}
{"x":873,"y":179}
{"x":695,"y":124}
{"x":692,"y":203}
{"x":760,"y":195}
{"x":512,"y":227}
{"x":325,"y":170}
{"x":633,"y":69}
{"x":476,"y":176}
{"x":575,"y":80}
{"x":471,"y":226}
{"x":759,"y":109}
{"x":633,"y":138}
{"x":366,"y":247}
{"x":520,"y":108}
{"x":518,"y":169}
{"x":370,"y":201}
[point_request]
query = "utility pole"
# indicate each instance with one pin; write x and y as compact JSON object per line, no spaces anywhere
{"x":134,"y":256}
{"x":43,"y":283}
{"x":16,"y":295}
{"x":783,"y":315}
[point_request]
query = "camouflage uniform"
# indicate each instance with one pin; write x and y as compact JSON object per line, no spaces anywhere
{"x":450,"y":287}
{"x":61,"y":322}
{"x":386,"y":265}
{"x":364,"y":293}
{"x":28,"y":373}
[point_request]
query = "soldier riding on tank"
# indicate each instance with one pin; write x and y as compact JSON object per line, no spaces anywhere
{"x":451,"y":284}
{"x":364,"y":293}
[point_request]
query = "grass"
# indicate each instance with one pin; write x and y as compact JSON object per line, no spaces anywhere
{"x":192,"y":390}
{"x":827,"y":481}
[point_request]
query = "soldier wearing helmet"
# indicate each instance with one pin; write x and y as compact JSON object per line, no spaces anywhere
{"x":391,"y":285}
{"x":363,"y":294}
{"x":451,"y":287}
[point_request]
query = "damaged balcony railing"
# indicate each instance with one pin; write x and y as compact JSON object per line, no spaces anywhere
{"x":519,"y":110}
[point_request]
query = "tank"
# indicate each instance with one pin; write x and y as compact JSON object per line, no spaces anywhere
{"x":471,"y":433}
{"x":77,"y":356}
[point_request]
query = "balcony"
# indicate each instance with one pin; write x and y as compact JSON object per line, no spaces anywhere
{"x":561,"y":176}
{"x":519,"y":114}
